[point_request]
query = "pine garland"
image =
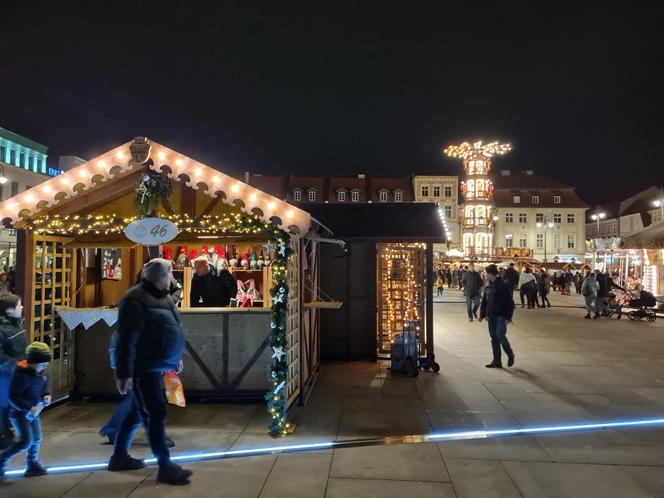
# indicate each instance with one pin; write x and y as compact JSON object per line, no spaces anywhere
{"x":152,"y":188}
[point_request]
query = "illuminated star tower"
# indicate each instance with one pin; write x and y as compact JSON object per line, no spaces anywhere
{"x":477,"y":191}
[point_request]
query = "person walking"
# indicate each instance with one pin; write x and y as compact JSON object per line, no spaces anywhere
{"x":448,"y":277}
{"x":527,"y":285}
{"x":544,"y":288}
{"x":472,"y":286}
{"x":439,"y":286}
{"x":13,"y":341}
{"x":498,"y":307}
{"x":604,"y":281}
{"x":568,"y":280}
{"x":150,"y":342}
{"x":511,"y":277}
{"x":589,"y":290}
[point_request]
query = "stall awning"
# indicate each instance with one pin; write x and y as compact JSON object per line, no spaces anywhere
{"x":388,"y":221}
{"x":651,"y":237}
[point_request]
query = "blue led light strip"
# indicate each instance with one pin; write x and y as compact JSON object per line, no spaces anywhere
{"x":443,"y":436}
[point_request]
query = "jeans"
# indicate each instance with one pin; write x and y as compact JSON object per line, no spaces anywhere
{"x":28,"y":438}
{"x":112,"y":427}
{"x":498,"y":333}
{"x":601,"y":305}
{"x":149,"y":408}
{"x":590,"y":303}
{"x":472,"y":304}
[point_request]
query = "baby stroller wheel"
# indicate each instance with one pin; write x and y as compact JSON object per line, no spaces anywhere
{"x":652,"y":317}
{"x":632,"y":315}
{"x":426,"y":367}
{"x":435,"y":367}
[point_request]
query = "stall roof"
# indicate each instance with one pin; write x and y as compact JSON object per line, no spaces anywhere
{"x":413,"y":222}
{"x":131,"y":157}
{"x":651,"y":237}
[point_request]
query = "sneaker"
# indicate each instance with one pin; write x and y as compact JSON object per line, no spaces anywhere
{"x":510,"y":361}
{"x":494,"y":364}
{"x":35,"y":469}
{"x":118,"y":463}
{"x":173,"y":474}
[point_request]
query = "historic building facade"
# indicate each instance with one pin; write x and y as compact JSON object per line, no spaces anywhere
{"x":444,"y":191}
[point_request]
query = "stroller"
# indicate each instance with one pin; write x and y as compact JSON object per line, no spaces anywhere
{"x":644,"y":305}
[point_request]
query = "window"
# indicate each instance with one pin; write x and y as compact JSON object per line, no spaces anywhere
{"x":382,"y":196}
{"x":448,"y":190}
{"x":539,"y":217}
{"x":311,"y":195}
{"x":424,"y":190}
{"x":523,"y":240}
{"x":556,"y":199}
{"x":3,"y":153}
{"x":540,"y":240}
{"x":535,"y":199}
{"x":571,"y":218}
{"x":523,"y":218}
{"x":21,"y":159}
{"x":12,"y":157}
{"x":571,"y":241}
{"x":516,"y":199}
{"x":12,"y":232}
{"x":557,"y":241}
{"x":509,"y":217}
{"x":14,"y":188}
{"x":341,"y":195}
{"x":297,"y":195}
{"x":557,"y":218}
{"x":355,"y":196}
{"x":508,"y":240}
{"x":448,"y":211}
{"x":398,"y":196}
{"x":436,"y":190}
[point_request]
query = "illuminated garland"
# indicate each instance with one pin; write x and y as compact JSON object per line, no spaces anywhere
{"x":277,"y":396}
{"x":467,"y":151}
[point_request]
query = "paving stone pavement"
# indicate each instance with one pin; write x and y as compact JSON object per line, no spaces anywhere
{"x":568,"y":370}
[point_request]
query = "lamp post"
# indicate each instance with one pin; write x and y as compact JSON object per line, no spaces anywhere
{"x":549,"y":224}
{"x":597,"y":216}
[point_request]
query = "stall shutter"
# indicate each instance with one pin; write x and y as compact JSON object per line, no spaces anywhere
{"x":293,"y":321}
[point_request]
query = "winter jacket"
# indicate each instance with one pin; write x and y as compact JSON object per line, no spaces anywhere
{"x":527,"y":279}
{"x":590,"y":287}
{"x":543,"y":285}
{"x":604,"y":285}
{"x":150,"y":337}
{"x":13,"y":340}
{"x":27,"y":389}
{"x":472,"y":283}
{"x":511,"y":277}
{"x":497,"y":300}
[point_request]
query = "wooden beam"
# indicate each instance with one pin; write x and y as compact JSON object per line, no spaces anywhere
{"x":187,"y":200}
{"x":208,"y":209}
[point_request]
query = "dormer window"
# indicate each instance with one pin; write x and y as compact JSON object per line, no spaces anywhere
{"x":535,"y":199}
{"x":297,"y":195}
{"x":382,"y":196}
{"x":556,"y":199}
{"x":516,"y":199}
{"x":311,"y":195}
{"x":341,"y":196}
{"x":355,"y":196}
{"x":398,"y":196}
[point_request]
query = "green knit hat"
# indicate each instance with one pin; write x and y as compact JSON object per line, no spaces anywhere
{"x":38,"y":352}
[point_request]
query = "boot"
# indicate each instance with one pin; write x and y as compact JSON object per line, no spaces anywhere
{"x":118,"y":463}
{"x":173,"y":474}
{"x":587,"y":317}
{"x":510,"y":360}
{"x":494,"y":364}
{"x":35,"y":469}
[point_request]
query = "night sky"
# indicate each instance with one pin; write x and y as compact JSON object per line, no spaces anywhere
{"x":358,"y":87}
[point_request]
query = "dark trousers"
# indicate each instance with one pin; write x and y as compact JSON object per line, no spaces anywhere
{"x":472,"y":303}
{"x":149,"y":408}
{"x":6,"y":370}
{"x":28,"y":438}
{"x":545,"y":299}
{"x":125,"y":406}
{"x":498,"y":333}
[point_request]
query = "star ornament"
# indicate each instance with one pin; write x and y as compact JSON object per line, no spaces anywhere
{"x":278,"y":299}
{"x":282,"y":249}
{"x":278,"y":352}
{"x":269,"y":247}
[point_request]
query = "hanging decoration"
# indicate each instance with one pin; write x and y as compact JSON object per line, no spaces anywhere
{"x":276,"y":397}
{"x":151,"y":189}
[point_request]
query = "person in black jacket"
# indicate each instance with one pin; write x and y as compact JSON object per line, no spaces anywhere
{"x":150,"y":342}
{"x":543,"y":284}
{"x":511,"y":277}
{"x":13,"y":342}
{"x":498,"y":307}
{"x":472,"y":286}
{"x":28,"y":395}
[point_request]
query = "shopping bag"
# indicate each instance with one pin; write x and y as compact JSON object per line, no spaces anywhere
{"x":174,"y":389}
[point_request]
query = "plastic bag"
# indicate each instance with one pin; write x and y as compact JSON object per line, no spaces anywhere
{"x":174,"y":389}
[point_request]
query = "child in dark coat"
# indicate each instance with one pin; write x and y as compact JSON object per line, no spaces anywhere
{"x":28,"y":395}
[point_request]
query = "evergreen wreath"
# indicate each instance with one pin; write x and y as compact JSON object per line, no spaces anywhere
{"x":152,"y":188}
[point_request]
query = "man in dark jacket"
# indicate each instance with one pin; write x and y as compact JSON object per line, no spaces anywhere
{"x":150,"y":342}
{"x":13,"y":342}
{"x":511,"y":277}
{"x":498,"y":307}
{"x":472,"y":286}
{"x":604,"y":281}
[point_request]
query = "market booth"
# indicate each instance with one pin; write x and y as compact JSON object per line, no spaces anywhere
{"x":77,"y":259}
{"x":642,"y":257}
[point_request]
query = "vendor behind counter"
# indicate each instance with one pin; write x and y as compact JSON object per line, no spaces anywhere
{"x":210,"y":289}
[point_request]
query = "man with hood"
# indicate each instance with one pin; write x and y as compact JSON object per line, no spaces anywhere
{"x":497,"y":307}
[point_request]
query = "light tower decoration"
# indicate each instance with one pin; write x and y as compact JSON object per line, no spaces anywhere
{"x":477,"y":191}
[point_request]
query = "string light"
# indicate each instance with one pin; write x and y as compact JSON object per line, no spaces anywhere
{"x":467,"y":151}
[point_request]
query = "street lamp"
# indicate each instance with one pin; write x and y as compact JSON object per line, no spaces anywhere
{"x":660,"y":203}
{"x":549,"y":224}
{"x":597,"y":216}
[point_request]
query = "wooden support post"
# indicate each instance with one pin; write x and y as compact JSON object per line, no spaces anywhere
{"x":25,"y":262}
{"x":428,"y":302}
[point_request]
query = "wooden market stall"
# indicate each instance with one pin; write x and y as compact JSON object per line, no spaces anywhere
{"x":76,"y":263}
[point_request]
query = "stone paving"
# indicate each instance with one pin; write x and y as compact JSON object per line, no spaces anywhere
{"x":568,"y":370}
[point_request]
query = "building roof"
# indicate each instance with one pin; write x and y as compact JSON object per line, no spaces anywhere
{"x":524,"y":180}
{"x":568,"y":199}
{"x":651,"y":237}
{"x":21,"y":140}
{"x":384,"y":222}
{"x":273,"y":185}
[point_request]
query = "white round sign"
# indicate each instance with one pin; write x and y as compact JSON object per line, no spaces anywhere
{"x":151,"y":231}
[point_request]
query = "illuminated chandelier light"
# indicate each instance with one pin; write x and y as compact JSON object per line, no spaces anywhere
{"x":467,"y":150}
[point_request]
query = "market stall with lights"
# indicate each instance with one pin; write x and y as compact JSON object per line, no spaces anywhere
{"x":78,"y":257}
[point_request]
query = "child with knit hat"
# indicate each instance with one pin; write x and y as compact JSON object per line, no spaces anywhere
{"x":28,"y":395}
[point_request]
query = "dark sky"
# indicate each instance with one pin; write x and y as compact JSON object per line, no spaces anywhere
{"x":370,"y":87}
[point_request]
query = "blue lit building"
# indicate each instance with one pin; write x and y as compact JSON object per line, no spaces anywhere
{"x":22,"y":152}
